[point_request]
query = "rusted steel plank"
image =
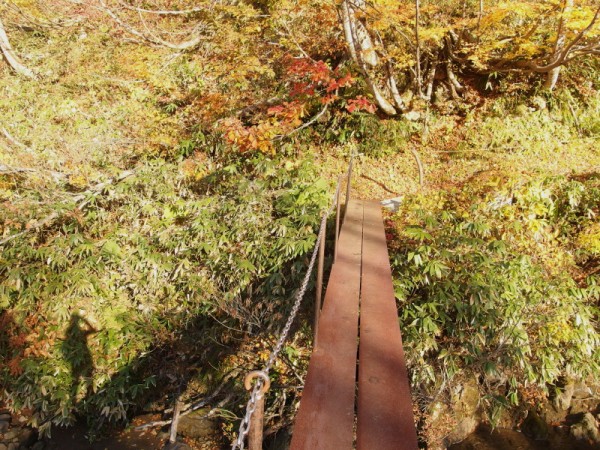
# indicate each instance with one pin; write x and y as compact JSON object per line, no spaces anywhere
{"x":385,"y":416}
{"x":326,"y":415}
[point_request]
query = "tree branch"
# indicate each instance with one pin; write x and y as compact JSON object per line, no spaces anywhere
{"x":161,"y":12}
{"x":304,"y":125}
{"x":186,"y":45}
{"x":11,"y":57}
{"x":81,"y":199}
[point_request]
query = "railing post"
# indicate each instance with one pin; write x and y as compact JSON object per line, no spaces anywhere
{"x":255,"y":431}
{"x":319,"y":286}
{"x":255,"y":434}
{"x":337,"y":218}
{"x":348,"y":184}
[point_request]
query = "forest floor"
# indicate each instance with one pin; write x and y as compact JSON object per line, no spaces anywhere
{"x":103,"y":105}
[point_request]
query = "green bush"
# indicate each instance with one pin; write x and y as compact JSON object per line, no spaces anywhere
{"x":374,"y":136}
{"x":84,"y":300}
{"x":484,"y":285}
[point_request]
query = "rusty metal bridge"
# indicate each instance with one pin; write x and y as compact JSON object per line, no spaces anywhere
{"x":356,"y":393}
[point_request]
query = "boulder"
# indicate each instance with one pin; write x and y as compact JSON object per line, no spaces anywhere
{"x":176,"y":446}
{"x":582,"y":391}
{"x":465,"y":401}
{"x":196,"y":425}
{"x":11,"y":434}
{"x":465,"y":409}
{"x":534,"y":426}
{"x":39,"y":445}
{"x":552,"y":414}
{"x":586,"y":429}
{"x":463,"y":429}
{"x":562,"y":401}
{"x":27,"y":437}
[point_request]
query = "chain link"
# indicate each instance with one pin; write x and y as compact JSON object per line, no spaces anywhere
{"x":256,"y":390}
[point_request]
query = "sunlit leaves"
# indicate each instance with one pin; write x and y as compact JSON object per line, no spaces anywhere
{"x":481,"y":296}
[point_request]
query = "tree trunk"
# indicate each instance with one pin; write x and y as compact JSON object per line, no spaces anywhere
{"x":419,"y":80}
{"x":552,"y":76}
{"x":362,"y":51}
{"x":10,"y":56}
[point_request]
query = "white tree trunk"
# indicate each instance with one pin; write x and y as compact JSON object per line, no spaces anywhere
{"x":10,"y":56}
{"x":552,"y":76}
{"x":362,"y":51}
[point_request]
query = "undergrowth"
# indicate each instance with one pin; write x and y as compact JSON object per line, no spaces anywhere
{"x":85,"y":299}
{"x":494,"y":283}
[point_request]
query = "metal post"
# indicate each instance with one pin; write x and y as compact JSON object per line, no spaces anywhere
{"x":319,"y":286}
{"x":255,"y":431}
{"x":337,"y":218}
{"x":348,"y":184}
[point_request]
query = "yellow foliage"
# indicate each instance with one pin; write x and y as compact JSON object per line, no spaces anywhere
{"x":589,"y":239}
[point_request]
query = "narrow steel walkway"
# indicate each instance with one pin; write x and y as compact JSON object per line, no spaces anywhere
{"x":367,"y":344}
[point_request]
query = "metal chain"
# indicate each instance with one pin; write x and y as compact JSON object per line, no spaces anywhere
{"x":251,"y":406}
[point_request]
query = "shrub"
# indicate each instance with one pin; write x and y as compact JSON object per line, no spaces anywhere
{"x":485,"y":286}
{"x":85,"y":300}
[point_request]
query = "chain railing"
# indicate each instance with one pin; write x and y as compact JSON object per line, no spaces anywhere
{"x":250,"y":426}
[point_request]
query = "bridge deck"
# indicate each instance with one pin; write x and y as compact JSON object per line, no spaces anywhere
{"x":360,"y":279}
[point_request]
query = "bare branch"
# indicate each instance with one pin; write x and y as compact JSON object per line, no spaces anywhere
{"x":81,"y":199}
{"x":186,"y":45}
{"x":8,"y":170}
{"x":11,"y":57}
{"x":304,"y":125}
{"x":565,"y":55}
{"x":13,"y":141}
{"x":161,"y":12}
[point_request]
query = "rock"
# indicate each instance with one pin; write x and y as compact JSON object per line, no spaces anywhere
{"x":11,"y":434}
{"x":551,"y":414}
{"x":3,"y":446}
{"x":5,"y":417}
{"x":539,"y":103}
{"x":196,"y":425}
{"x":582,"y":406}
{"x":281,"y":441}
{"x":465,"y":408}
{"x":4,"y":425}
{"x":438,"y":409}
{"x":13,"y":446}
{"x":465,"y":400}
{"x":506,"y":420}
{"x":534,"y":426}
{"x":27,"y":437}
{"x":464,"y":428}
{"x":163,"y":435}
{"x":582,"y":391}
{"x":562,"y":402}
{"x":586,"y":429}
{"x":176,"y":446}
{"x":39,"y":445}
{"x":413,"y":116}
